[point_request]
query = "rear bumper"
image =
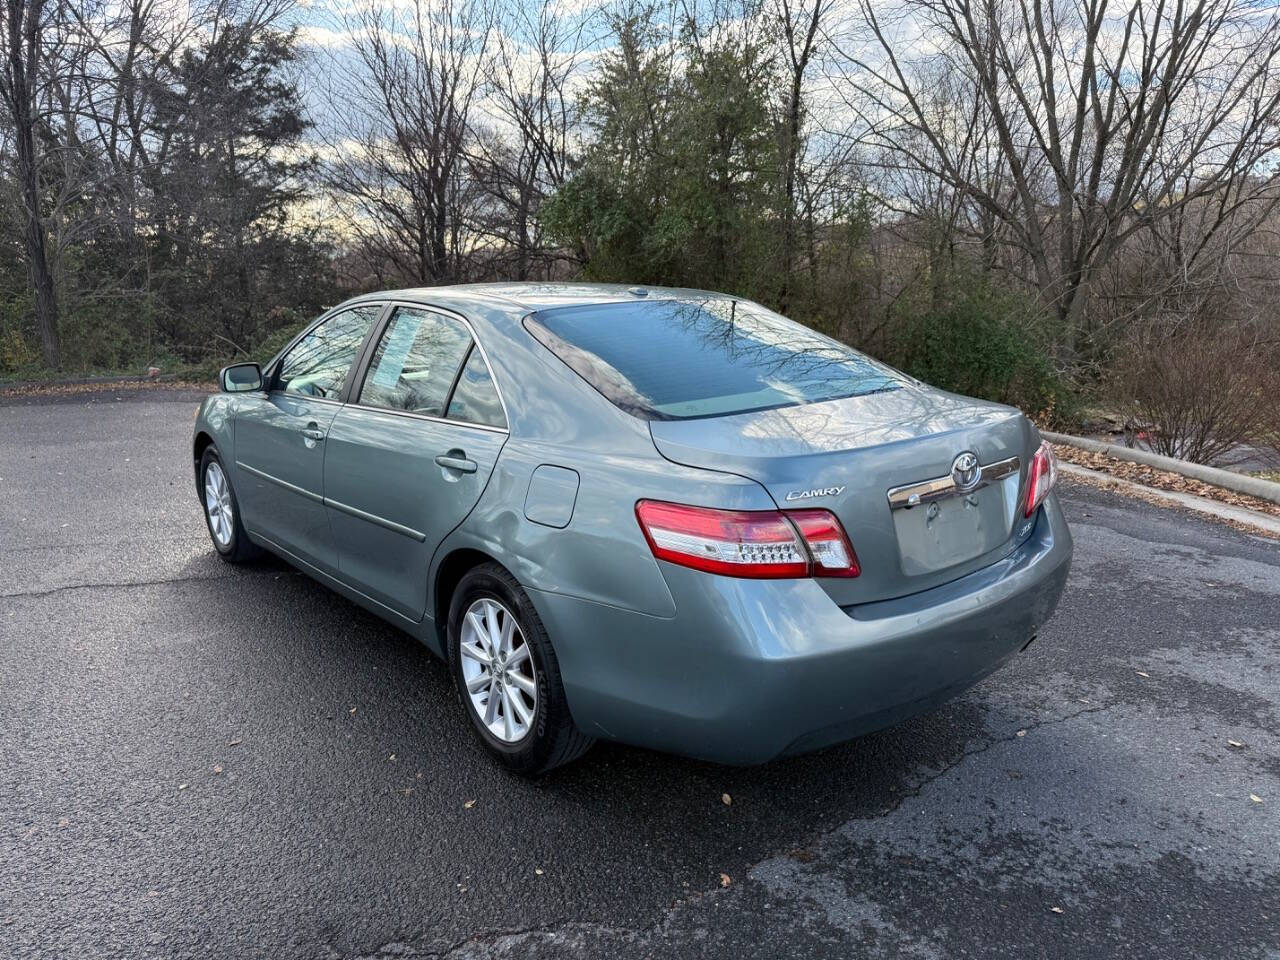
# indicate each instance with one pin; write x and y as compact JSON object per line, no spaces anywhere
{"x":748,"y":670}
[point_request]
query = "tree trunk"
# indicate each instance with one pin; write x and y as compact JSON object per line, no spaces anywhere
{"x":790,"y":159}
{"x":23,"y":45}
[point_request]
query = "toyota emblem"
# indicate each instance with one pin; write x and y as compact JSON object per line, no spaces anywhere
{"x":966,"y":472}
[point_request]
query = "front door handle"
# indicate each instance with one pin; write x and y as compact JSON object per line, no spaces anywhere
{"x":313,"y":433}
{"x":456,"y":460}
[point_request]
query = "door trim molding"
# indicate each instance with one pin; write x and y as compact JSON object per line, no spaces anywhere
{"x":336,"y":504}
{"x":374,"y":518}
{"x":292,"y":488}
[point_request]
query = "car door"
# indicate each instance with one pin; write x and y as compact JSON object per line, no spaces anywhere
{"x":411,"y":453}
{"x":280,"y":437}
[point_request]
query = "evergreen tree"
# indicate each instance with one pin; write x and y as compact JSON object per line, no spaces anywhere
{"x":228,"y":243}
{"x":677,"y":185}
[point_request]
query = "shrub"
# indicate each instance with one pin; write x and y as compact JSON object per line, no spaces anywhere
{"x":1204,"y":388}
{"x":983,"y":345}
{"x":287,"y":324}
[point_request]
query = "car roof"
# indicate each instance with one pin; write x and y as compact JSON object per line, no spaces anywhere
{"x":532,"y":297}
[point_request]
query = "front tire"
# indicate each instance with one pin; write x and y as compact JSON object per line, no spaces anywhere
{"x":222,"y":510}
{"x":507,"y":674}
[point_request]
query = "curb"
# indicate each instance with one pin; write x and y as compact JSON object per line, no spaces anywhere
{"x":1212,"y":508}
{"x":1236,"y":482}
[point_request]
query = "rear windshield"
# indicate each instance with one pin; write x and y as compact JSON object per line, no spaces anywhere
{"x":680,"y":359}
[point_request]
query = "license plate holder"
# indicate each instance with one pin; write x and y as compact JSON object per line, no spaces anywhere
{"x":950,"y":530}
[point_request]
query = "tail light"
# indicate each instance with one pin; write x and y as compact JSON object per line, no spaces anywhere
{"x":832,"y":554}
{"x":761,"y":544}
{"x":1043,"y":475}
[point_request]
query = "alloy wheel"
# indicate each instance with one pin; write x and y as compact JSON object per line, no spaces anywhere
{"x":217,"y":503}
{"x":497,"y":667}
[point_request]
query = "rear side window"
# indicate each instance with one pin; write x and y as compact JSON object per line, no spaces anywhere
{"x":416,"y":362}
{"x":680,"y":359}
{"x":318,"y":364}
{"x":475,"y":399}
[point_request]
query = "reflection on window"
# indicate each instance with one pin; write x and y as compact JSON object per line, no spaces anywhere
{"x":475,"y":399}
{"x":319,"y":363}
{"x":415,"y":362}
{"x":675,"y":359}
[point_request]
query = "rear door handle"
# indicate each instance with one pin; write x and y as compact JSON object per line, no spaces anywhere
{"x":455,"y":460}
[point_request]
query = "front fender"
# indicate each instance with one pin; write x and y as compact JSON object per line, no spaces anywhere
{"x":215,"y":420}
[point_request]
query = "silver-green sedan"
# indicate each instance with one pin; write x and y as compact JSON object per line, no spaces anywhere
{"x":665,"y":517}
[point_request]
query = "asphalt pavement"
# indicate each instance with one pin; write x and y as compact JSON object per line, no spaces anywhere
{"x":203,"y":761}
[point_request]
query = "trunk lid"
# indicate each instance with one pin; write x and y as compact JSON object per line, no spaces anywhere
{"x":847,"y":456}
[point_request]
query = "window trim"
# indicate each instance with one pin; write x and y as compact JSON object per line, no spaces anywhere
{"x":365,"y":359}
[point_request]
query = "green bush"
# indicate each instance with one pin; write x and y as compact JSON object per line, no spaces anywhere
{"x":982,"y":344}
{"x":286,"y":325}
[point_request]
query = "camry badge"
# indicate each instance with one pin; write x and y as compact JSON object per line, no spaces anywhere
{"x":820,"y":492}
{"x":966,"y":472}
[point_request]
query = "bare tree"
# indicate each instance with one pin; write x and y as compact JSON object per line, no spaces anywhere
{"x":800,"y":21}
{"x":400,"y":178}
{"x":134,"y":49}
{"x":1106,"y":120}
{"x":525,"y":153}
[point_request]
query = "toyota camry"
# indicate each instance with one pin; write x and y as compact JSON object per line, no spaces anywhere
{"x":664,"y":517}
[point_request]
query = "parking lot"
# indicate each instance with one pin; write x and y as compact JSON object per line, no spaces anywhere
{"x":204,"y":761}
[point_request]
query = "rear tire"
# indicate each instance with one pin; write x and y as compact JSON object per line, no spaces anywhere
{"x":222,"y":510}
{"x":507,"y":675}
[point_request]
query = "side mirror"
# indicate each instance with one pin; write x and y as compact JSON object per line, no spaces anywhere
{"x":240,"y":378}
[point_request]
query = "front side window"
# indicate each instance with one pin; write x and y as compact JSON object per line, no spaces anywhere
{"x":678,"y":359}
{"x":318,"y":365}
{"x":416,"y":361}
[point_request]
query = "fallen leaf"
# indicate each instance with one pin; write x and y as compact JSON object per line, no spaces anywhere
{"x":392,"y":757}
{"x":725,"y":879}
{"x":468,"y":805}
{"x":1021,"y":733}
{"x":1235,"y":743}
{"x":353,"y":709}
{"x":217,"y":768}
{"x":726,"y":799}
{"x":1141,"y":674}
{"x":1056,"y":909}
{"x":235,"y":743}
{"x":1255,"y":798}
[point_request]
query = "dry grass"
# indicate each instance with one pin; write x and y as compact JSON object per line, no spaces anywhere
{"x":113,"y":386}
